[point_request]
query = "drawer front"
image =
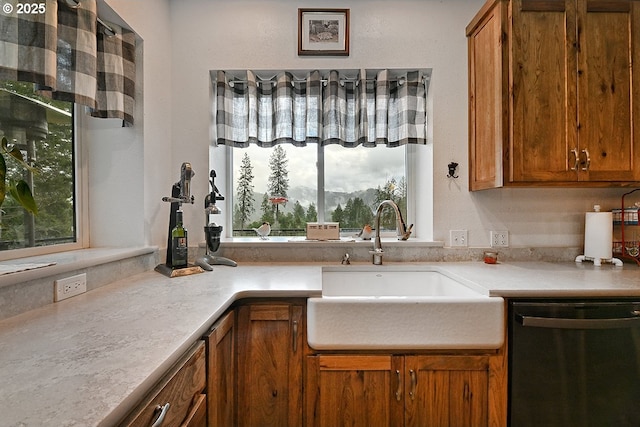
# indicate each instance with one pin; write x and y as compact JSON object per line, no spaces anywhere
{"x":182,"y":389}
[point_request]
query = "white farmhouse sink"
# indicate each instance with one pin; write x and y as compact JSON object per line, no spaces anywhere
{"x":398,"y":307}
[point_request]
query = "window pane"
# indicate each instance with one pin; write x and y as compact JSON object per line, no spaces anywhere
{"x":358,"y":179}
{"x":263,"y":178}
{"x":43,"y":131}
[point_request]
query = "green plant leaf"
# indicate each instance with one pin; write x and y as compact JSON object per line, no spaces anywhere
{"x":15,"y":152}
{"x":21,"y":192}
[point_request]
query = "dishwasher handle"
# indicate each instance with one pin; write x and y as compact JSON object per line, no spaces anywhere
{"x":564,"y":323}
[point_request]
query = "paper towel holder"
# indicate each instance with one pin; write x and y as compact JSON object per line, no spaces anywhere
{"x":597,"y":260}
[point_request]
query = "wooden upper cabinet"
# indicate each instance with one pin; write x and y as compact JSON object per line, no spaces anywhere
{"x":543,"y":91}
{"x":559,"y":74}
{"x":608,"y":37}
{"x":487,"y":96}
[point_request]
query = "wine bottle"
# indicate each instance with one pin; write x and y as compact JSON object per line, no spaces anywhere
{"x":179,"y":245}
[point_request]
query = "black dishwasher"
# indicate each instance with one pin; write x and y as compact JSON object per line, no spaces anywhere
{"x":574,"y":363}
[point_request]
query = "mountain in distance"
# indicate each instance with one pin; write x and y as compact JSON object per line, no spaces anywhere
{"x":307,"y":195}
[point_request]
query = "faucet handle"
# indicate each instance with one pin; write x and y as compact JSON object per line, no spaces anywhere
{"x":377,"y":256}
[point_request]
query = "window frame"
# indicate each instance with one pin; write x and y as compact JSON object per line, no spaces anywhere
{"x":410,"y":153}
{"x":81,"y":192}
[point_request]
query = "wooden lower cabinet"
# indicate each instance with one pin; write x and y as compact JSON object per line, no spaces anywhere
{"x":221,"y":372}
{"x":446,"y":391}
{"x":262,"y":373}
{"x":270,"y":356}
{"x":179,"y":398}
{"x":388,"y":390}
{"x":354,"y":390}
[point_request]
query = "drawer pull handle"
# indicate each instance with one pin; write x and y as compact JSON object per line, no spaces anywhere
{"x":162,"y":413}
{"x":399,"y":390}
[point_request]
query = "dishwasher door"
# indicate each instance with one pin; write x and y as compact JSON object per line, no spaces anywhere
{"x":574,"y":363}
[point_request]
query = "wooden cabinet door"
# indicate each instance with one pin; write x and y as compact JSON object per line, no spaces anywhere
{"x":354,"y":390}
{"x":608,"y":95}
{"x":270,"y":339}
{"x":448,"y":391}
{"x":488,"y":114}
{"x":221,"y":372}
{"x":543,"y":104}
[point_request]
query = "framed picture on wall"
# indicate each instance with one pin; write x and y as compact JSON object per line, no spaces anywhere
{"x":323,"y":32}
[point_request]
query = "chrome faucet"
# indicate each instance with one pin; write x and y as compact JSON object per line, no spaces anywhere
{"x":402,"y":231}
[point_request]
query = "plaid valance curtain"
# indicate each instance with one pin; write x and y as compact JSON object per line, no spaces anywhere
{"x":68,"y":55}
{"x":329,"y":109}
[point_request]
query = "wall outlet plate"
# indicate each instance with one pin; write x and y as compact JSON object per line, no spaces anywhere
{"x":459,"y":238}
{"x":499,"y":239}
{"x":69,"y":287}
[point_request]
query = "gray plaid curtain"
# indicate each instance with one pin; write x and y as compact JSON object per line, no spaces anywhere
{"x":268,"y":112}
{"x":342,"y":111}
{"x":115,"y":94}
{"x":63,"y":53}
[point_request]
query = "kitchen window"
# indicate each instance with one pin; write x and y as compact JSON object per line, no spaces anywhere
{"x":328,"y":147}
{"x":44,"y":132}
{"x":330,"y":184}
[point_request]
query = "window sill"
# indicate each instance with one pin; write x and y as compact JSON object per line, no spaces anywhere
{"x":287,"y":241}
{"x":65,"y":262}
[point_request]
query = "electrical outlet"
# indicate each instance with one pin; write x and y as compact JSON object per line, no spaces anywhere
{"x":458,"y":238}
{"x":70,"y":287}
{"x":499,"y":239}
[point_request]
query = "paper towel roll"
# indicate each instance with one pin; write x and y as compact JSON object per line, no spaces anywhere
{"x":598,"y":235}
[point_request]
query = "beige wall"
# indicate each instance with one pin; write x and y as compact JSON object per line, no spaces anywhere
{"x":184,"y":39}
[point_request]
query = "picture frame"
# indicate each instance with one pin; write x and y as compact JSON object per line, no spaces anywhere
{"x":323,"y":32}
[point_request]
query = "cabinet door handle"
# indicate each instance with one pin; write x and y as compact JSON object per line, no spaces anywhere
{"x":576,"y":159}
{"x":399,"y":390}
{"x":587,"y":160}
{"x":162,"y":413}
{"x":414,"y":383}
{"x":295,"y":336}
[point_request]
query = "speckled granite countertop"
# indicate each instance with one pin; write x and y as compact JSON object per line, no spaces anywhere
{"x":88,"y":360}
